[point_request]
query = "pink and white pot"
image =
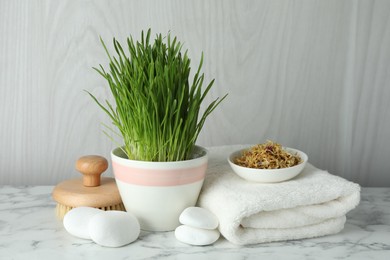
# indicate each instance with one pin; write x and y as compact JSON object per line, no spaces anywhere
{"x":157,"y":192}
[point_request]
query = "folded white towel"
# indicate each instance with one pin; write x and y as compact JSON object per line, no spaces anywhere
{"x":312,"y":204}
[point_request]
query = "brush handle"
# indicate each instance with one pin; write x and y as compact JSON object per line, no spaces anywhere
{"x":91,"y":166}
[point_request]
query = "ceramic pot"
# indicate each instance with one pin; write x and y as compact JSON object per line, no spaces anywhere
{"x":157,"y":192}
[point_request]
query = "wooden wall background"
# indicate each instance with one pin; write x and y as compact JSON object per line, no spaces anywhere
{"x":311,"y":74}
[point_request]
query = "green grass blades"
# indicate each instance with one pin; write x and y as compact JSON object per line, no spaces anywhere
{"x":157,"y":109}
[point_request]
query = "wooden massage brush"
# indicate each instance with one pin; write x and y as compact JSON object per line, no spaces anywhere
{"x":90,"y":190}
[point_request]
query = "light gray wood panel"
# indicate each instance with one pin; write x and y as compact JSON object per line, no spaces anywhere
{"x":310,"y":74}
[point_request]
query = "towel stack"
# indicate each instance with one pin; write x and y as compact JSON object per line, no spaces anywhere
{"x":312,"y":204}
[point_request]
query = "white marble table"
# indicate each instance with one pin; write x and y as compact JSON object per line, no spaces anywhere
{"x":30,"y":230}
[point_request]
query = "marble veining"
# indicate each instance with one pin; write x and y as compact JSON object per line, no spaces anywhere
{"x":30,"y":230}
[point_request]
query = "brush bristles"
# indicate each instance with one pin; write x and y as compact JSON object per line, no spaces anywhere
{"x":61,"y":209}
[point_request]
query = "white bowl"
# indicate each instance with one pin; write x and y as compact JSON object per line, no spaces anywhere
{"x":268,"y":175}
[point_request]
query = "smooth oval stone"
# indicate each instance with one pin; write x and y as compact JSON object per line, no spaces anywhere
{"x":196,"y":236}
{"x":199,"y":218}
{"x":114,"y":228}
{"x":77,"y":219}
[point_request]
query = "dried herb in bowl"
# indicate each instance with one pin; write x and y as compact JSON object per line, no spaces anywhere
{"x":269,"y":155}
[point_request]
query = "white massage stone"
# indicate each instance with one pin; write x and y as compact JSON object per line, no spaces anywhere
{"x":114,"y":228}
{"x":196,"y":236}
{"x":77,"y":219}
{"x":199,"y":218}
